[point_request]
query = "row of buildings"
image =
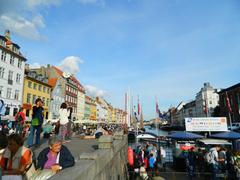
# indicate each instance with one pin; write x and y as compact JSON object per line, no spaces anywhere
{"x":208,"y":102}
{"x":20,"y":86}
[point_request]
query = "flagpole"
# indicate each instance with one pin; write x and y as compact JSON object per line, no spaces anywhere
{"x":229,"y":110}
{"x":157,"y":113}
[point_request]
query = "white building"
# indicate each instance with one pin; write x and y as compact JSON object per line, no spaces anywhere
{"x":57,"y":96}
{"x":12,"y":65}
{"x":80,"y":101}
{"x":102,"y":109}
{"x":206,"y":100}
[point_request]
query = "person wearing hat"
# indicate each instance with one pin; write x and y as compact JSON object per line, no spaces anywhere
{"x":36,"y":123}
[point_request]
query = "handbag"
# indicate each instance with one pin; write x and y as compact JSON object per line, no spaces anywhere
{"x":35,"y":122}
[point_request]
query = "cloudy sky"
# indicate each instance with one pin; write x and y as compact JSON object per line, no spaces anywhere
{"x":163,"y":48}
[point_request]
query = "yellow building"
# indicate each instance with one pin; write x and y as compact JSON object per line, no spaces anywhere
{"x":36,"y":86}
{"x":93,"y":110}
{"x":114,"y":115}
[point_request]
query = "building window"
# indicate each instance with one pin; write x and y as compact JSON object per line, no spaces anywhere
{"x":3,"y":56}
{"x":29,"y":84}
{"x":1,"y":91}
{"x":43,"y":99}
{"x":7,"y":110}
{"x":2,"y":43}
{"x":33,"y":99}
{"x":16,"y":96}
{"x":19,"y":63}
{"x":18,"y":78}
{"x":44,"y":88}
{"x":15,"y":111}
{"x":12,"y":60}
{"x":9,"y":93}
{"x":210,"y":102}
{"x":28,"y":98}
{"x":2,"y":72}
{"x":10,"y":77}
{"x":40,"y":87}
{"x":34,"y":86}
{"x":48,"y":90}
{"x":47,"y":103}
{"x":27,"y":112}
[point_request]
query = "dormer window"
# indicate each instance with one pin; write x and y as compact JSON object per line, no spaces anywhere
{"x":19,"y":63}
{"x":3,"y":43}
{"x":3,"y":56}
{"x":12,"y":60}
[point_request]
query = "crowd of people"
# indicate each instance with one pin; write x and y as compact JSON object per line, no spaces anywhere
{"x":17,"y":162}
{"x":18,"y":144}
{"x":145,"y":161}
{"x":16,"y":155}
{"x":218,"y":162}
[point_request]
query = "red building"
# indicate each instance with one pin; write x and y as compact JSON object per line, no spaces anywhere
{"x":233,"y":109}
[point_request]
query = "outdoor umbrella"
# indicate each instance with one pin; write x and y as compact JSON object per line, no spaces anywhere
{"x":227,"y":135}
{"x":183,"y":135}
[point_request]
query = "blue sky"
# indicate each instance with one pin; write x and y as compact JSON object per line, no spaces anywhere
{"x":164,"y":48}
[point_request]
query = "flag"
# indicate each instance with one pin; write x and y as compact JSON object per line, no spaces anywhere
{"x":158,"y":112}
{"x":135,"y":113}
{"x":239,"y":106}
{"x":228,"y":103}
{"x":206,"y":107}
{"x":139,"y":107}
{"x":238,"y":103}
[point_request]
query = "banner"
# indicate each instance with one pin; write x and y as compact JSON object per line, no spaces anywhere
{"x":206,"y":124}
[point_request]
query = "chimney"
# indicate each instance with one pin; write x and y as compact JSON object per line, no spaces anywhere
{"x":7,"y":36}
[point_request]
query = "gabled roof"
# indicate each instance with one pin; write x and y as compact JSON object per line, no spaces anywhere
{"x":80,"y":86}
{"x":52,"y":81}
{"x":59,"y":71}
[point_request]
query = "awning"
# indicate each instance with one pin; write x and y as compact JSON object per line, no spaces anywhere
{"x":184,"y":135}
{"x":215,"y":142}
{"x":227,"y":135}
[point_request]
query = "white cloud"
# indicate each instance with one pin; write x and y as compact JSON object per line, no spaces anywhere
{"x":34,"y":66}
{"x":71,"y":64}
{"x":38,"y":21}
{"x":94,"y":91}
{"x":96,"y":2}
{"x":34,"y":3}
{"x":22,"y":26}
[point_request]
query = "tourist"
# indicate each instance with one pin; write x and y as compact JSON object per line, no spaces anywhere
{"x":191,"y":162}
{"x":55,"y":157}
{"x":36,"y":123}
{"x":2,"y":110}
{"x":69,"y":124}
{"x":222,"y":159}
{"x":63,"y":118}
{"x":213,"y":161}
{"x":142,"y":172}
{"x":19,"y":121}
{"x":3,"y":143}
{"x":163,"y":157}
{"x":16,"y":158}
{"x":151,"y":165}
{"x":47,"y":129}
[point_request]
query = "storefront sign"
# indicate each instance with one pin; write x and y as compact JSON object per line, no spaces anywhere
{"x":206,"y":124}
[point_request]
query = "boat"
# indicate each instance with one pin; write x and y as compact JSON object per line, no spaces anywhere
{"x":146,"y":136}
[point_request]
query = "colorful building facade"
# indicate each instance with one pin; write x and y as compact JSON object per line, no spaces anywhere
{"x":36,"y":86}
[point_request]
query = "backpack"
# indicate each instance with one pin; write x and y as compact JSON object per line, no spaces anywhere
{"x":2,"y":108}
{"x":210,"y":157}
{"x":19,"y":118}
